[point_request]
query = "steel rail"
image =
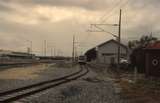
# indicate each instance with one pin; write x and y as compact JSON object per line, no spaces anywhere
{"x":41,"y":86}
{"x":37,"y":84}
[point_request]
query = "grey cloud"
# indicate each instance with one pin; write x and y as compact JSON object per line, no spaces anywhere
{"x":86,"y":4}
{"x":139,"y":30}
{"x":145,"y":20}
{"x":95,"y":4}
{"x":4,"y":8}
{"x":89,"y":4}
{"x":144,"y":4}
{"x":15,"y":34}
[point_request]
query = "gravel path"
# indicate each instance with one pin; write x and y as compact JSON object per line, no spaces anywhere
{"x":87,"y":89}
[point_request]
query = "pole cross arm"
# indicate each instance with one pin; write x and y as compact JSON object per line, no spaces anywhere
{"x":102,"y":30}
{"x":105,"y":24}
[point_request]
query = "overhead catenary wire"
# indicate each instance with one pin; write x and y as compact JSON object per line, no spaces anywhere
{"x":110,"y":11}
{"x":120,"y":4}
{"x":86,"y":39}
{"x":123,"y":4}
{"x":104,"y":17}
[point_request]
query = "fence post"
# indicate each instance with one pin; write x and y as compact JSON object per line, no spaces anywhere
{"x":135,"y":74}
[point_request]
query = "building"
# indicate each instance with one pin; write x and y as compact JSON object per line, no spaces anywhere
{"x":152,"y":59}
{"x":155,"y":45}
{"x":107,"y":52}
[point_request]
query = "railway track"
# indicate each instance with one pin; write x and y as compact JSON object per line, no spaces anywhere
{"x":19,"y":93}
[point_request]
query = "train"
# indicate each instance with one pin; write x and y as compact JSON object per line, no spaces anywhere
{"x":12,"y":58}
{"x":16,"y":58}
{"x":82,"y":60}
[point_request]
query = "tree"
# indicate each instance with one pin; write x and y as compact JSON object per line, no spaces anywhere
{"x":133,"y":44}
{"x":143,"y":42}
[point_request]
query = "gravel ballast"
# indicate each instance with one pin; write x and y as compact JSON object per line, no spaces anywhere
{"x":87,"y":89}
{"x":41,"y":73}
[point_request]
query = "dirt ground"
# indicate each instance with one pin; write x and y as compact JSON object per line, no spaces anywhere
{"x":23,"y":73}
{"x":144,"y":90}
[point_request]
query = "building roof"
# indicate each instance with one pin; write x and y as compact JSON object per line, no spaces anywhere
{"x":155,"y":45}
{"x":112,"y":40}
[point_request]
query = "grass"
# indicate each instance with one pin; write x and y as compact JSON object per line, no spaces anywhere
{"x":143,"y":91}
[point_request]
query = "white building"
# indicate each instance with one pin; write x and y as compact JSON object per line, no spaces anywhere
{"x":108,"y":52}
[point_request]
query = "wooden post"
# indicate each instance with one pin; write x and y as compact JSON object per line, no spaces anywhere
{"x":147,"y":65}
{"x":135,"y":74}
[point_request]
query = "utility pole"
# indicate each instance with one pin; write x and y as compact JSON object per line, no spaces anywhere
{"x":42,"y":49}
{"x":54,"y":51}
{"x":51,"y":51}
{"x":73,"y":51}
{"x":31,"y":50}
{"x":119,"y":37}
{"x":45,"y":47}
{"x":30,"y":47}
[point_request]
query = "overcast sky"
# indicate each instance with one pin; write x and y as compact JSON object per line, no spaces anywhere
{"x":57,"y":21}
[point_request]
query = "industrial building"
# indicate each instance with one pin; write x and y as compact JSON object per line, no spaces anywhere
{"x":107,"y":52}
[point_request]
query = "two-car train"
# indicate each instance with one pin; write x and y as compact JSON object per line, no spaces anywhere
{"x":82,"y":60}
{"x":11,"y":58}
